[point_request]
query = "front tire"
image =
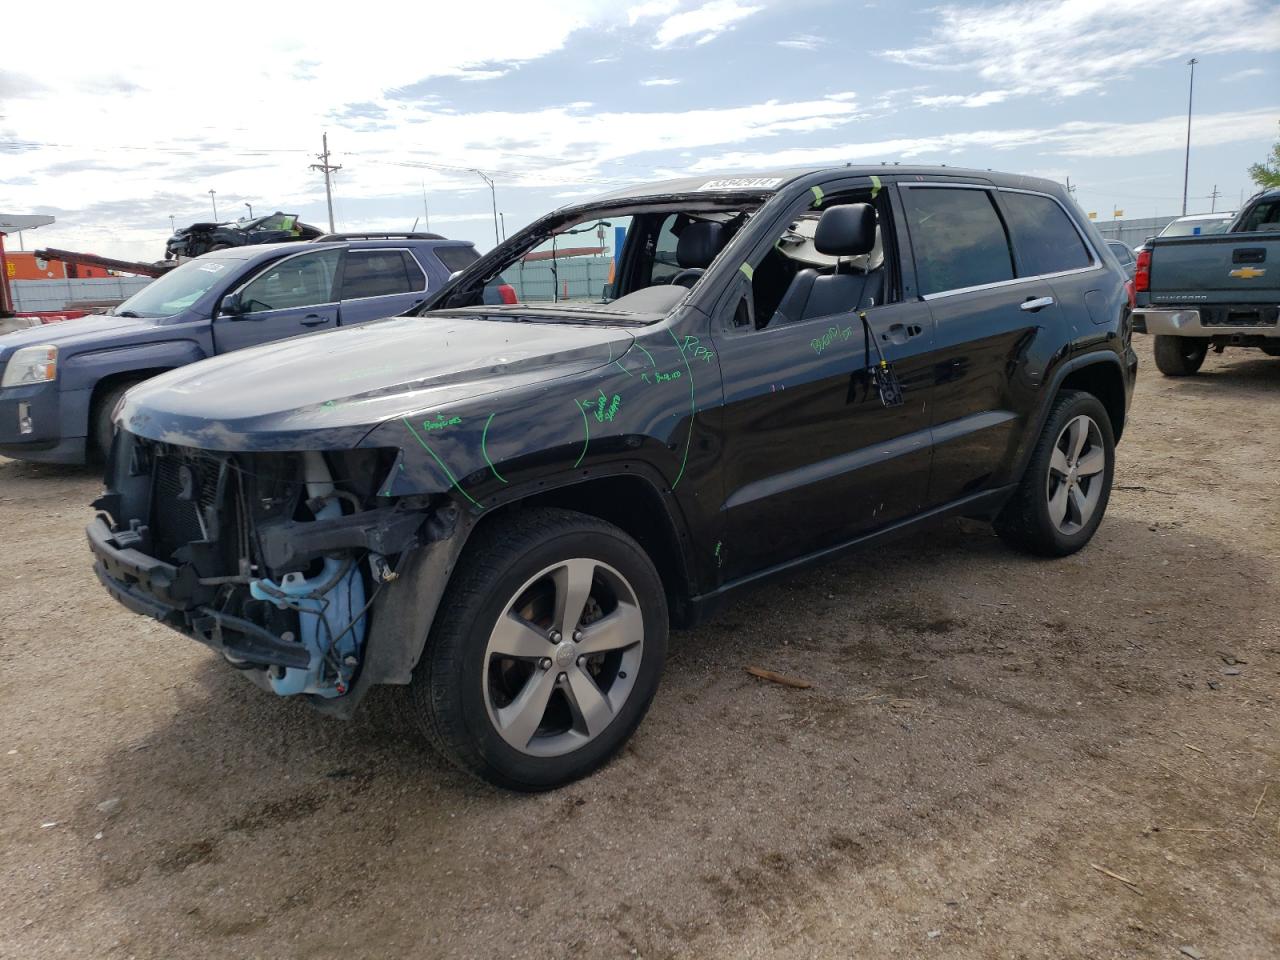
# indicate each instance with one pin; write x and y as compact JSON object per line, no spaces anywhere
{"x":1065,"y":489}
{"x":101,"y":430}
{"x":1180,"y":356}
{"x":546,"y":653}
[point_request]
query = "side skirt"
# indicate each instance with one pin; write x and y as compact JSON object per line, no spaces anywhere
{"x":984,"y":505}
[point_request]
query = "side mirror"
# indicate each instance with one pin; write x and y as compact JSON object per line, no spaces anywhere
{"x":231,"y":305}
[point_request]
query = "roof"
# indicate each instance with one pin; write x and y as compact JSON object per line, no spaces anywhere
{"x":767,"y":181}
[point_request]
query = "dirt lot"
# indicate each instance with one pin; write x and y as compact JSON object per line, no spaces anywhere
{"x":985,"y":731}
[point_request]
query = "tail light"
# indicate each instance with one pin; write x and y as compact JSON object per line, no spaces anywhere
{"x":507,"y":292}
{"x":1142,"y":272}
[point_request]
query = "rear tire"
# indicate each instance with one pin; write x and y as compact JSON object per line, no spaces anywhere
{"x":1180,"y":356}
{"x":1064,"y":491}
{"x":498,"y":694}
{"x":101,"y":430}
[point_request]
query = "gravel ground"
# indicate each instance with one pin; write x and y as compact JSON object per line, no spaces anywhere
{"x":986,"y":736}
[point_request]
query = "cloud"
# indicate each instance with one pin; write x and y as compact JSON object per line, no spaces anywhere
{"x":802,"y":41}
{"x":1244,"y":74}
{"x":704,"y":23}
{"x":1069,"y":47}
{"x":1074,"y":139}
{"x":984,"y":99}
{"x":650,"y":10}
{"x":659,"y":82}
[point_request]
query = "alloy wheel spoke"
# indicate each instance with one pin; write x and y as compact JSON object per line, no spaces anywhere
{"x":1058,"y":505}
{"x":621,"y":629}
{"x":1093,"y":462}
{"x":1077,"y":434}
{"x":1058,"y":463}
{"x":1079,"y":505}
{"x":520,"y":719}
{"x":517,"y":638}
{"x":591,"y":709}
{"x":573,"y":587}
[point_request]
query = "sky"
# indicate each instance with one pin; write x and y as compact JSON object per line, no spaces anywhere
{"x":114,"y":124}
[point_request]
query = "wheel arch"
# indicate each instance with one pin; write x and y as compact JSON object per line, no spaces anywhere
{"x":1103,"y":379}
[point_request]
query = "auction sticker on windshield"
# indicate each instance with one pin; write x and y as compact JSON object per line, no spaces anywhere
{"x":742,"y":183}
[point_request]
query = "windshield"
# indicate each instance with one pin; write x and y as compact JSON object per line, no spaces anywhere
{"x":638,"y":259}
{"x":178,"y":289}
{"x":1196,"y":227}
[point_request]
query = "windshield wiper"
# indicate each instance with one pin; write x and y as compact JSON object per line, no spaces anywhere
{"x":128,"y":313}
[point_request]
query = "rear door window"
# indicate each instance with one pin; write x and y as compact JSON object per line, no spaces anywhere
{"x":374,"y":273}
{"x":456,"y":258}
{"x":417,"y":279}
{"x":1044,"y":238}
{"x":957,"y":238}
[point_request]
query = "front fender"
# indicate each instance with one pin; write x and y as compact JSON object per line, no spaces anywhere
{"x":82,"y":371}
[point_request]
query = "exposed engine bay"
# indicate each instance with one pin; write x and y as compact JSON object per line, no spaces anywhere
{"x":271,"y":559}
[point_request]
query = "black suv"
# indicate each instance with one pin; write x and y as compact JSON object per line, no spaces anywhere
{"x":610,"y":423}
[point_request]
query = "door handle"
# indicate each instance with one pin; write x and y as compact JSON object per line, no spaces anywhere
{"x":314,"y":320}
{"x":1031,"y":305}
{"x":902,"y":332}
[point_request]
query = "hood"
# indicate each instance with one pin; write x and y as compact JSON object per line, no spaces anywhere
{"x":69,"y":334}
{"x":328,"y":390}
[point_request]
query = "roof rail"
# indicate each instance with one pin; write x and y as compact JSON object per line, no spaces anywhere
{"x":394,"y":235}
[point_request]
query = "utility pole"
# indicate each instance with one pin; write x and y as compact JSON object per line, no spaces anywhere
{"x":503,"y":217}
{"x":426,"y":213}
{"x":493,"y":196}
{"x":327,"y":168}
{"x":172,"y":226}
{"x":1186,"y":167}
{"x":1213,"y":197}
{"x":213,"y":195}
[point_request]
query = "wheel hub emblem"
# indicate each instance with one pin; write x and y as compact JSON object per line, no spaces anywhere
{"x":564,"y":654}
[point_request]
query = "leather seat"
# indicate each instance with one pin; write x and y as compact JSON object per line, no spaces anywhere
{"x":700,"y":242}
{"x":849,"y":230}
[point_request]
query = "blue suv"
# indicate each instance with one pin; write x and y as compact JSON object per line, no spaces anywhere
{"x":59,"y":384}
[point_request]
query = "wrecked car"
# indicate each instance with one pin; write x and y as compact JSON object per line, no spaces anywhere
{"x":502,"y":504}
{"x":201,"y":238}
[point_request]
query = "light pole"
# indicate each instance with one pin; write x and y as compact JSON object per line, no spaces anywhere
{"x":1186,"y":167}
{"x":493,"y":196}
{"x":214,"y":198}
{"x":250,"y":206}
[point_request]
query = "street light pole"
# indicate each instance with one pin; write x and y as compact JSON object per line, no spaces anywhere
{"x":493,"y":196}
{"x":213,"y":195}
{"x":173,"y":227}
{"x":1186,"y":167}
{"x":250,"y":206}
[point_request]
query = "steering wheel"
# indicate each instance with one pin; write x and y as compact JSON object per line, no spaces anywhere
{"x":687,"y":277}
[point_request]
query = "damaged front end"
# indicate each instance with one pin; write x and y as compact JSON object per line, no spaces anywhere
{"x":272,"y":559}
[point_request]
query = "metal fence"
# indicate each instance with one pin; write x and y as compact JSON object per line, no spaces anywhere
{"x":54,"y":295}
{"x":571,"y":278}
{"x":1132,"y":232}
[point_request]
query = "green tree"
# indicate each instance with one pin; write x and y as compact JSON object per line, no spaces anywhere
{"x":1267,"y":173}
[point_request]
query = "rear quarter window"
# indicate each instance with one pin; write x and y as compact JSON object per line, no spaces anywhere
{"x":1044,"y":238}
{"x":456,"y":258}
{"x":957,"y":238}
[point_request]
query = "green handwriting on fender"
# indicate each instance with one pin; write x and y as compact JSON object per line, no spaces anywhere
{"x":439,"y":423}
{"x":603,"y":409}
{"x":693,"y":349}
{"x":660,"y":377}
{"x":833,"y":335}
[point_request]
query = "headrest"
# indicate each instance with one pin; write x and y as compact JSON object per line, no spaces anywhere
{"x":848,"y":230}
{"x":699,"y":243}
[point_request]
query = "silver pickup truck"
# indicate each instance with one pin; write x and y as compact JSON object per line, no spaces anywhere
{"x":1194,"y":293}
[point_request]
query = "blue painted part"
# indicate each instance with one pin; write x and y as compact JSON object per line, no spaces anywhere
{"x":320,"y":620}
{"x":619,"y":235}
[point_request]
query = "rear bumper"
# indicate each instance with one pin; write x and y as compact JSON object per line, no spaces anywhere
{"x":1189,"y":322}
